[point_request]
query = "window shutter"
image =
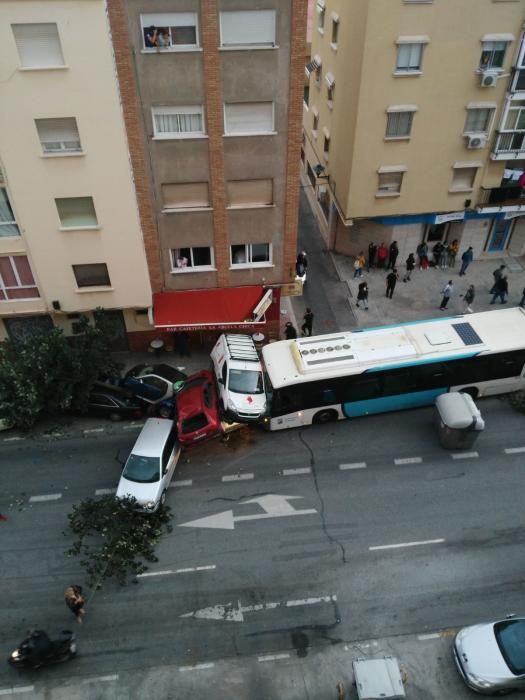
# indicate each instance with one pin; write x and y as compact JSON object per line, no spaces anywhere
{"x":249,"y":192}
{"x":58,"y":134}
{"x":248,"y":118}
{"x":187,"y":194}
{"x":38,"y":45}
{"x":248,"y":28}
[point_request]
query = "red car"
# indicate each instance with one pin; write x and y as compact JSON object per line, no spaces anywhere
{"x":197,"y":409}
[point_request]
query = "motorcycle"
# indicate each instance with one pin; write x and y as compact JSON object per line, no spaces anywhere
{"x":37,"y":650}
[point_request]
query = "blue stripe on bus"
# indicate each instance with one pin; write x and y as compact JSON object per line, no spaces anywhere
{"x":430,"y":361}
{"x":392,"y":403}
{"x":408,"y":323}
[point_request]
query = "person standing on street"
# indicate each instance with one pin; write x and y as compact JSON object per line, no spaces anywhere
{"x":497,"y":274}
{"x":289,"y":331}
{"x":501,"y":290}
{"x":452,"y":252}
{"x":443,"y":257}
{"x":308,"y":319}
{"x":447,"y":292}
{"x":382,"y":255}
{"x":392,"y":256}
{"x":75,"y":601}
{"x":410,"y":265}
{"x":359,"y":264}
{"x":372,"y":249}
{"x":391,"y":280}
{"x":362,"y":295}
{"x":469,"y":297}
{"x":422,"y":254}
{"x":466,"y":259}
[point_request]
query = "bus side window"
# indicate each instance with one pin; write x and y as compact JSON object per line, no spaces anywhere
{"x":399,"y":382}
{"x":365,"y":388}
{"x":506,"y":364}
{"x":328,"y":397}
{"x":431,"y":376}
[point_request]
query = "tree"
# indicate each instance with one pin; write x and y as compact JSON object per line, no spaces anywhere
{"x":115,"y":538}
{"x":49,"y":372}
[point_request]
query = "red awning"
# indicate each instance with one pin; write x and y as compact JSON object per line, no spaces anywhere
{"x":207,"y":309}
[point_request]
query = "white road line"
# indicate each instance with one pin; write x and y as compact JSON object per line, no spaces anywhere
{"x":424,"y":637}
{"x":171,"y":572}
{"x":17,"y":689}
{"x":514,"y":450}
{"x":101,"y":679}
{"x":104,"y":492}
{"x":175,"y":484}
{"x":238,"y":477}
{"x":13,"y":439}
{"x":464,"y":455}
{"x":93,"y":430}
{"x":130,"y":426}
{"x":46,"y":497}
{"x":294,"y":472}
{"x":197,"y":667}
{"x":352,"y":465}
{"x":272,"y":657}
{"x":311,"y":601}
{"x":405,"y":544}
{"x":408,"y":460}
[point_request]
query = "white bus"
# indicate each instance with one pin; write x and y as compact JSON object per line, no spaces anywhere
{"x":374,"y":370}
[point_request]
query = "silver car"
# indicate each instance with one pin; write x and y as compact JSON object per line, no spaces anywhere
{"x":491,"y":656}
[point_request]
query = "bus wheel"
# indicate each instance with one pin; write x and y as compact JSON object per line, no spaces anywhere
{"x":324,"y":417}
{"x":471,"y":391}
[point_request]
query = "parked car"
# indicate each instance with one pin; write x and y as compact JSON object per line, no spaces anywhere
{"x":154,"y":383}
{"x":114,"y":403}
{"x":197,"y":409}
{"x":151,"y":464}
{"x":491,"y":656}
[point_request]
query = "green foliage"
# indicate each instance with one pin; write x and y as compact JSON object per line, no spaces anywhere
{"x":114,"y":538}
{"x":49,"y":372}
{"x":517,"y":399}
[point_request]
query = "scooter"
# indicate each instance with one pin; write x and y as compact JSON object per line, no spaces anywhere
{"x":37,"y":650}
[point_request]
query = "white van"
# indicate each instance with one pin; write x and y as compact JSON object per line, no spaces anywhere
{"x":151,"y":464}
{"x":240,"y":378}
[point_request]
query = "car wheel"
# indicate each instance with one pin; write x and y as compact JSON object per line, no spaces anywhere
{"x":165,"y":412}
{"x":324,"y":417}
{"x":115,"y":417}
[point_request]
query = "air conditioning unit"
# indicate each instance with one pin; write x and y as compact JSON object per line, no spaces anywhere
{"x":476,"y":140}
{"x":489,"y":78}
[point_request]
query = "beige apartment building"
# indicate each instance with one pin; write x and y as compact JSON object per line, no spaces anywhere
{"x":414,"y":124}
{"x":212,"y":96}
{"x":70,"y":234}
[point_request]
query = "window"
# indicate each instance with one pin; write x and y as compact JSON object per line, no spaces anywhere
{"x":16,"y":279}
{"x":177,"y":122}
{"x":249,"y":118}
{"x":38,"y":45}
{"x":515,"y":119}
{"x":330,"y":88}
{"x":335,"y":31}
{"x":8,"y":225}
{"x":315,"y":121}
{"x":92,"y":275}
{"x":463,"y":178}
{"x":492,"y":54}
{"x":251,"y":254}
{"x":478,"y":120}
{"x":185,"y":195}
{"x":399,"y":124}
{"x":76,"y":212}
{"x":326,"y":145}
{"x":173,"y":31}
{"x":306,"y":94}
{"x":192,"y":259}
{"x":249,"y":193}
{"x":389,"y":181}
{"x":251,"y":28}
{"x":321,"y":11}
{"x":409,"y":58}
{"x":58,"y":135}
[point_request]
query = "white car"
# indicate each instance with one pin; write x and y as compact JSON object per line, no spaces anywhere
{"x":151,"y":464}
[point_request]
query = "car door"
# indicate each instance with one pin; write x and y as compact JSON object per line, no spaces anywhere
{"x":170,"y":457}
{"x":101,"y":405}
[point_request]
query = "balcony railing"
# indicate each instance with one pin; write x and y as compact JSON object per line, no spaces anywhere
{"x":510,"y":142}
{"x":501,"y":196}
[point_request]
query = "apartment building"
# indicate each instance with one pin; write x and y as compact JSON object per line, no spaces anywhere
{"x":212,"y":96}
{"x":414,"y":124}
{"x":70,"y":233}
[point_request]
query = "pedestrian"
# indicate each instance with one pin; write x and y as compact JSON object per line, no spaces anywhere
{"x":422,"y":254}
{"x":443,"y":257}
{"x":301,"y":264}
{"x":447,"y":292}
{"x":359,"y":263}
{"x":75,"y":601}
{"x":392,"y":255}
{"x":469,"y":297}
{"x":522,"y":302}
{"x":362,"y":295}
{"x":382,"y":255}
{"x":391,"y":280}
{"x":289,"y":331}
{"x":497,"y":274}
{"x":452,"y":252}
{"x":436,"y":252}
{"x":410,"y":265}
{"x":372,"y":249}
{"x":182,"y":339}
{"x":466,"y":259}
{"x":501,"y":290}
{"x":308,"y":319}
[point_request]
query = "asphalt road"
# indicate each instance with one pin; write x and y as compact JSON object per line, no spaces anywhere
{"x":397,"y":537}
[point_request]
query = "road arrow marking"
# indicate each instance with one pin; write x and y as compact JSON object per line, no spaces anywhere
{"x":233,"y":613}
{"x":274,"y":506}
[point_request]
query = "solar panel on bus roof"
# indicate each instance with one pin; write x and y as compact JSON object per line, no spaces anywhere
{"x":467,"y":334}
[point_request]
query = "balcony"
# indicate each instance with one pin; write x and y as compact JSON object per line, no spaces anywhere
{"x":496,"y":199}
{"x":509,"y":145}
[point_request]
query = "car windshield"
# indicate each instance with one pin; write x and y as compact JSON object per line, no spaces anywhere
{"x":242,"y":381}
{"x":510,"y":636}
{"x":144,"y":470}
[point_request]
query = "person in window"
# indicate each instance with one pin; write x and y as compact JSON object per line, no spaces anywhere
{"x":151,"y":37}
{"x":182,"y":261}
{"x":163,"y":39}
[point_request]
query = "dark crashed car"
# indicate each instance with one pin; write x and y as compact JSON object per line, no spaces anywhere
{"x":154,"y":383}
{"x":114,"y":404}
